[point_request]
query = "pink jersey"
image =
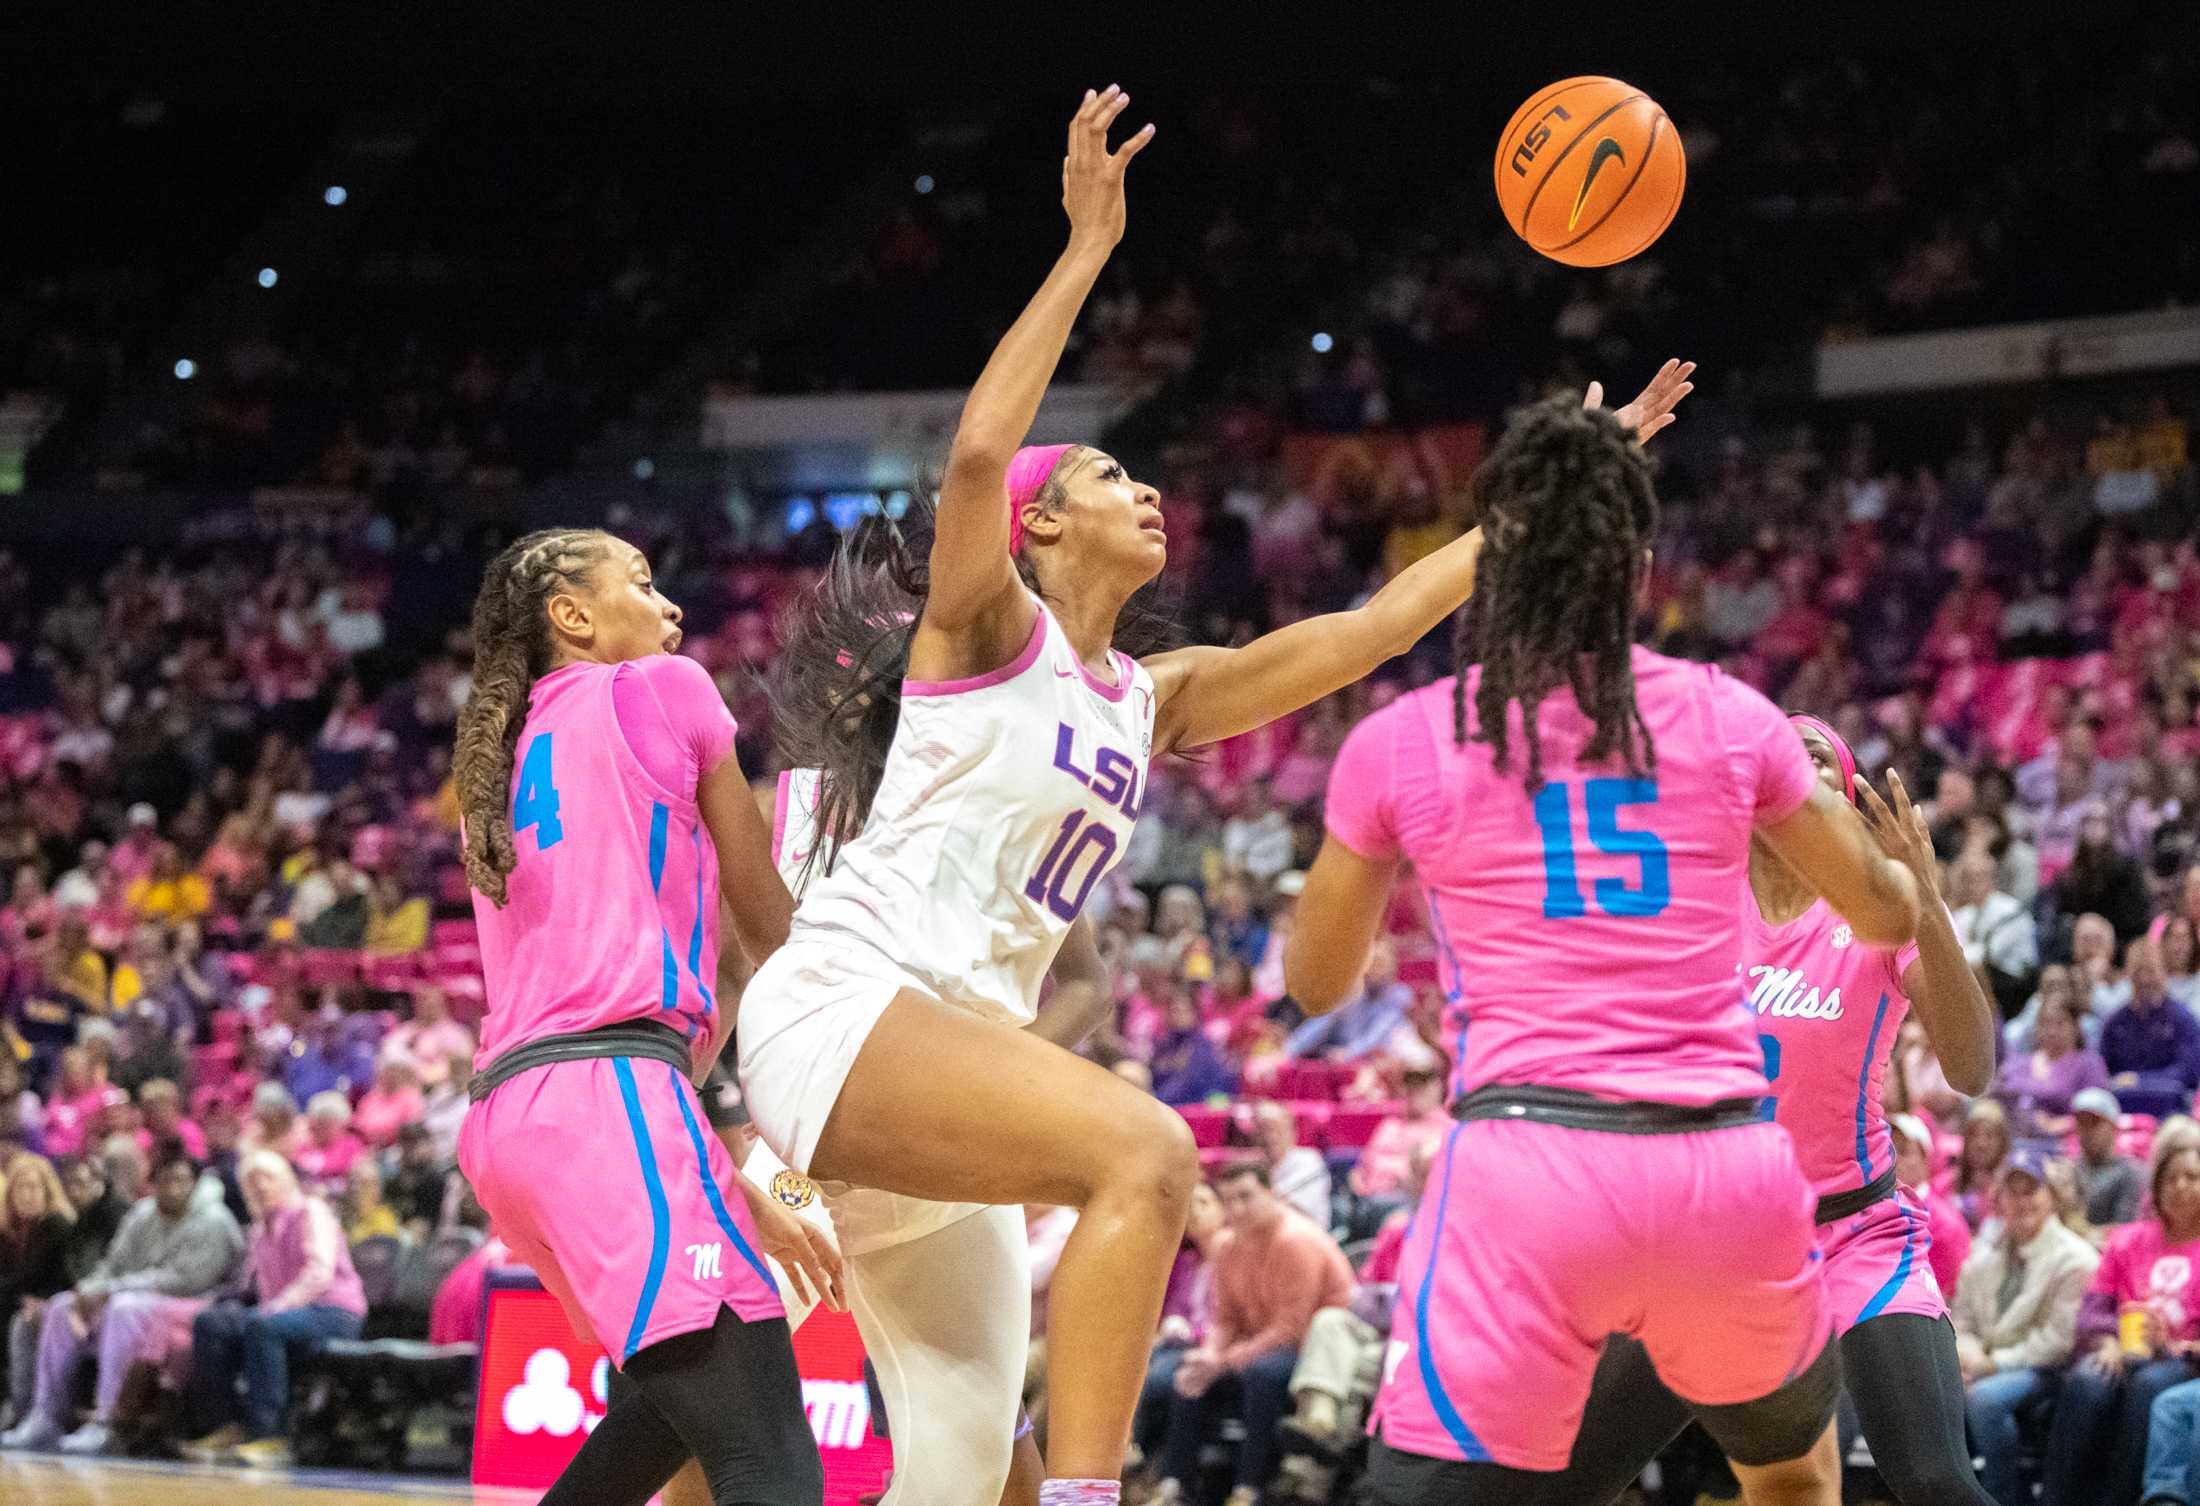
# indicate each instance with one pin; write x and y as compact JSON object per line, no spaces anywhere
{"x":612,"y":912}
{"x":1828,"y":1010}
{"x":1588,"y":930}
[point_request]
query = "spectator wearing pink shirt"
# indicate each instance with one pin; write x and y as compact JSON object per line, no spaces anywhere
{"x":161,"y":1102}
{"x":392,"y":1103}
{"x":1913,"y":1169}
{"x":455,"y":1317}
{"x":2136,"y":1325}
{"x":132,"y":857}
{"x":324,"y":1161}
{"x":80,"y":1100}
{"x":431,"y":1037}
{"x":308,"y":1294}
{"x":1382,"y":1177}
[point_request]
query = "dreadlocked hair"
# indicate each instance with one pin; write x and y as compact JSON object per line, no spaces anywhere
{"x":1567,"y":510}
{"x":835,"y":687}
{"x":512,"y":650}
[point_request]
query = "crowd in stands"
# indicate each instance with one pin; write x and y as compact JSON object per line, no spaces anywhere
{"x":233,"y":926}
{"x":237,"y":970}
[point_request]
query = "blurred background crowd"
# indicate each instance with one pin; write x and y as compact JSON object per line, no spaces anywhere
{"x":267,"y":406}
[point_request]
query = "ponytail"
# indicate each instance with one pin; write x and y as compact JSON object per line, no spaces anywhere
{"x":844,"y":651}
{"x":512,"y":650}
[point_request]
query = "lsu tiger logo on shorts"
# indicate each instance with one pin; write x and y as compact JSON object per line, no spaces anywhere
{"x":793,"y":1189}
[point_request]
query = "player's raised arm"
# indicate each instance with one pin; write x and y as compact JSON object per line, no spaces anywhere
{"x":1828,"y":846}
{"x":1207,"y":694}
{"x":973,"y":576}
{"x":1958,"y":1017}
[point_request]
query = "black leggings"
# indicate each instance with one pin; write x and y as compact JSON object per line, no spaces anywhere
{"x":728,"y":1396}
{"x":1903,"y":1377}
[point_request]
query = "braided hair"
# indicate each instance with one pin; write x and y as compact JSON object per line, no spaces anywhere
{"x":512,"y":650}
{"x":1567,"y":510}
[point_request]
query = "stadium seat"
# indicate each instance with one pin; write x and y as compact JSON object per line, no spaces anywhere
{"x":1350,"y":1127}
{"x":450,"y":933}
{"x":214,"y":1062}
{"x":325,"y":967}
{"x":1210,"y":1126}
{"x":364,"y":1391}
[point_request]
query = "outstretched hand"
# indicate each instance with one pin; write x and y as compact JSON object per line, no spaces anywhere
{"x":1092,"y":176}
{"x":1653,"y":407}
{"x":1902,"y":832}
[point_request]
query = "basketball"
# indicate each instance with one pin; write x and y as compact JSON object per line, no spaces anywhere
{"x":1590,"y":171}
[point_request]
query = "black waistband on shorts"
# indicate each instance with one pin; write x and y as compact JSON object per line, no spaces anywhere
{"x":1845,"y":1204}
{"x":635,"y":1038}
{"x":1584,"y":1111}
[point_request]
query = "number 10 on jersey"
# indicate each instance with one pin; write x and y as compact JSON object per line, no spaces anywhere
{"x":1080,"y":841}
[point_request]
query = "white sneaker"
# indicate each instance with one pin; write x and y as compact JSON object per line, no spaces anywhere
{"x":94,"y":1437}
{"x":34,"y":1431}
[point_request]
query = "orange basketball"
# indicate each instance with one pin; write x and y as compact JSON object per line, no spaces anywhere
{"x":1590,"y":171}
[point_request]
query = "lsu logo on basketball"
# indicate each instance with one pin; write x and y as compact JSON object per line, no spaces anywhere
{"x":1785,"y":994}
{"x":1538,"y":134}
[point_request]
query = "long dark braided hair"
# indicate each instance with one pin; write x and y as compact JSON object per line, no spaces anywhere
{"x":512,"y":650}
{"x":1567,"y":510}
{"x":844,"y":651}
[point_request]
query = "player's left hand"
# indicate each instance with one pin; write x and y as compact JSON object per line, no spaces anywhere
{"x":804,"y":1251}
{"x":1653,"y":407}
{"x":1902,"y":832}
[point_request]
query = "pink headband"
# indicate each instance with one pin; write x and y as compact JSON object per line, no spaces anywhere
{"x":1028,"y":470}
{"x":1841,"y":752}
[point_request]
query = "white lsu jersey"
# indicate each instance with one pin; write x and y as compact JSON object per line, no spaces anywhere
{"x":1005,"y":799}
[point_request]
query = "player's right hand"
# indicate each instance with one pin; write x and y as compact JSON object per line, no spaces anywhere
{"x":1092,"y":176}
{"x":804,"y":1251}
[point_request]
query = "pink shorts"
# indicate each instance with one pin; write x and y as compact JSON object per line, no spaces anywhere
{"x":1535,"y":1242}
{"x":1875,"y":1263}
{"x":601,"y":1175}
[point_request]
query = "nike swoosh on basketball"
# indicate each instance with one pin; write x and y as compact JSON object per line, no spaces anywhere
{"x":1606,"y":150}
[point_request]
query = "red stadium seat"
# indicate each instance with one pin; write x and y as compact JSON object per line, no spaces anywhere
{"x":1210,"y":1127}
{"x":446,"y":933}
{"x":325,"y":967}
{"x":1309,"y":1117}
{"x":1352,"y":1126}
{"x":395,"y":974}
{"x":213,"y":1063}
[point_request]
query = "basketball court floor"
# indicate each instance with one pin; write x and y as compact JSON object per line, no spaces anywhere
{"x":44,"y":1480}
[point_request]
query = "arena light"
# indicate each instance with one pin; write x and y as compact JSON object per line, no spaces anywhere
{"x":186,"y":369}
{"x":1323,"y":345}
{"x":925,"y":183}
{"x":268,"y":278}
{"x":334,"y":195}
{"x":644,"y":468}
